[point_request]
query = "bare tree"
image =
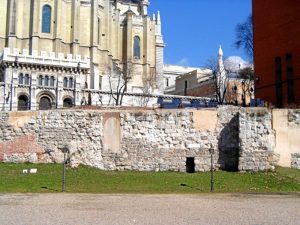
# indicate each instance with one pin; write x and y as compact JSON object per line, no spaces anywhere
{"x":118,"y":81}
{"x":241,"y":87}
{"x":220,"y":77}
{"x":148,"y":87}
{"x":244,"y":36}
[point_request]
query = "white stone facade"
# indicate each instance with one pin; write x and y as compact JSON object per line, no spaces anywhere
{"x":57,"y":53}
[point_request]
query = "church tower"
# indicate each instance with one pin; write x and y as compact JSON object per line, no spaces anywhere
{"x":62,"y":52}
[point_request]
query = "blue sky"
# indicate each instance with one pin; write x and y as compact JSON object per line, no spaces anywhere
{"x":194,"y":29}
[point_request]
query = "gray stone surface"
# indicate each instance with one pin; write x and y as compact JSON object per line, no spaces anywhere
{"x":149,"y":209}
{"x":149,"y":140}
{"x":295,"y":162}
{"x":257,"y":140}
{"x":294,"y":117}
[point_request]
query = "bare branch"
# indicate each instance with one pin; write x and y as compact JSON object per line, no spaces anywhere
{"x":244,"y":36}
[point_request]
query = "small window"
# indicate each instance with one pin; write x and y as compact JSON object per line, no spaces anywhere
{"x":136,"y":47}
{"x":71,"y":82}
{"x":65,"y":82}
{"x":185,"y":87}
{"x":46,"y":81}
{"x":167,"y":82}
{"x":40,"y":80}
{"x":27,"y":79}
{"x":100,"y":82}
{"x":46,"y":19}
{"x":21,"y":78}
{"x":52,"y":81}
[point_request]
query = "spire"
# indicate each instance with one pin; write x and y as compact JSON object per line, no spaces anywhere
{"x":220,"y":60}
{"x":220,"y":51}
{"x":158,"y":22}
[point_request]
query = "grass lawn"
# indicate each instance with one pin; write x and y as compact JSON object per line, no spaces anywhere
{"x":90,"y":180}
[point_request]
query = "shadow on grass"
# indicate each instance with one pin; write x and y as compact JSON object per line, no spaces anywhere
{"x":191,"y":187}
{"x":50,"y":189}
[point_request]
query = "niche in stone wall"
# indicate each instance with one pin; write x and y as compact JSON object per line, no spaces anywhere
{"x":111,"y":133}
{"x":190,"y":165}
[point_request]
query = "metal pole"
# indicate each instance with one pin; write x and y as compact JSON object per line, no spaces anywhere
{"x":64,"y":174}
{"x":212,"y":184}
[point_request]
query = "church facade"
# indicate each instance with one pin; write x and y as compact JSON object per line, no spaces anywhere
{"x":58,"y":53}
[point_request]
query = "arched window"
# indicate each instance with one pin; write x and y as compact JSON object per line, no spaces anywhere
{"x":46,"y":81}
{"x":68,"y":102}
{"x":23,"y":103}
{"x":65,"y":82}
{"x":21,"y":78}
{"x":71,"y":82}
{"x":27,"y":79}
{"x":46,"y":19}
{"x":136,"y":47}
{"x":40,"y":80}
{"x":52,"y":81}
{"x":45,"y":103}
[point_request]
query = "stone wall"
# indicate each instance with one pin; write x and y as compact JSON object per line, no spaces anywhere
{"x":145,"y":140}
{"x":286,"y":124}
{"x":294,"y":124}
{"x":257,"y":140}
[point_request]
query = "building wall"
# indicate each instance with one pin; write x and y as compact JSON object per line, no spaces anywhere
{"x":171,"y":72}
{"x":276,"y":34}
{"x":145,"y":140}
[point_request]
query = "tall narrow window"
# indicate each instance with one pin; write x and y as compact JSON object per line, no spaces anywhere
{"x":52,"y":81}
{"x":65,"y":82}
{"x":290,"y":78}
{"x":46,"y":19}
{"x":21,"y":78}
{"x":136,"y":47}
{"x":27,"y":79}
{"x":100,"y":82}
{"x":167,"y":82}
{"x":46,"y":81}
{"x":40,"y":80}
{"x":71,"y":82}
{"x":99,"y":31}
{"x":185,"y":87}
{"x":278,"y":74}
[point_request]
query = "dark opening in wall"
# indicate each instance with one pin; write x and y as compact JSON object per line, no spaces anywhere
{"x":190,"y":165}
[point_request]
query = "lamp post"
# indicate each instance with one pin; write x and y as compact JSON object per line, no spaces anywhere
{"x":65,"y":150}
{"x":212,"y":182}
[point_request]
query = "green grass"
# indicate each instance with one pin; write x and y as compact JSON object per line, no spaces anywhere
{"x":90,"y":180}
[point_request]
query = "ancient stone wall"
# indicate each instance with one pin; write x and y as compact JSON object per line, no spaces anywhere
{"x":145,"y":140}
{"x":257,"y":140}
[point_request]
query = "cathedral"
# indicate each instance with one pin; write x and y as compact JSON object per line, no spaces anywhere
{"x":62,"y":53}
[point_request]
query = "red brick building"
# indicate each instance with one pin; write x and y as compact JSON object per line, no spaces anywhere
{"x":276,"y":27}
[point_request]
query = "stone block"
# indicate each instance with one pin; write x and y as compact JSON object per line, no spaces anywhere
{"x":193,"y":145}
